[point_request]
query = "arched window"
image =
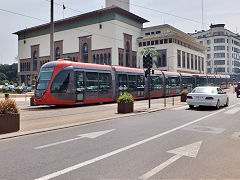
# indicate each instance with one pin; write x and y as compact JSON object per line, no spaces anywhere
{"x":85,"y":52}
{"x":94,"y":58}
{"x":109,"y":59}
{"x":105,"y":58}
{"x":97,"y":60}
{"x":57,"y":53}
{"x":35,"y":60}
{"x":101,"y":59}
{"x":127,"y":54}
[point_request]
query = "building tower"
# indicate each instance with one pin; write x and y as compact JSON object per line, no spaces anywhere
{"x":124,"y":4}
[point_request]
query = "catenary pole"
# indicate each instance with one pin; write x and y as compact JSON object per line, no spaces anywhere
{"x":52,"y":32}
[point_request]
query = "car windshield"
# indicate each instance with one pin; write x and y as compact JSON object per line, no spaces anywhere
{"x":203,"y":90}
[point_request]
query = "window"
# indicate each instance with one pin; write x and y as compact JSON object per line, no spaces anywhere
{"x":218,"y":48}
{"x":147,"y":34}
{"x":191,"y":61}
{"x":156,"y":82}
{"x":35,"y":56}
{"x":152,"y":42}
{"x":196,"y":62}
{"x":208,"y":56}
{"x":183,"y":60}
{"x":148,"y":43}
{"x":60,"y":82}
{"x":219,"y":55}
{"x":134,"y":61}
{"x":199,"y":63}
{"x":85,"y":52}
{"x":188,"y":60}
{"x":152,"y":33}
{"x":140,"y":44}
{"x":105,"y":59}
{"x":158,"y":32}
{"x":132,"y":83}
{"x":104,"y":81}
{"x":219,"y":62}
{"x":208,"y":42}
{"x":109,"y":59}
{"x":219,"y":40}
{"x":94,"y":58}
{"x":202,"y":64}
{"x":179,"y":58}
{"x":92,"y":81}
{"x":170,"y":40}
{"x":144,"y":43}
{"x":97,"y":60}
{"x":101,"y":59}
{"x":161,"y":41}
{"x":122,"y":82}
{"x":127,"y":54}
{"x":156,"y":42}
{"x":57,"y":53}
{"x":165,"y":41}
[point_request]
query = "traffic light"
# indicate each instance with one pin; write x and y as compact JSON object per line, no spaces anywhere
{"x":145,"y":62}
{"x":149,"y":61}
{"x":147,"y":73}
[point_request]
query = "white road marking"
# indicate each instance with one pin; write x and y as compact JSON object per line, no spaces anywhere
{"x":180,"y":108}
{"x":190,"y":150}
{"x":88,"y":135}
{"x":82,"y":164}
{"x":233,"y":110}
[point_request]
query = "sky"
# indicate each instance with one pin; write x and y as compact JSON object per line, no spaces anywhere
{"x":185,"y":15}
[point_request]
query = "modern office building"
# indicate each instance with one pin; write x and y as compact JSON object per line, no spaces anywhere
{"x":223,"y":49}
{"x":179,"y":52}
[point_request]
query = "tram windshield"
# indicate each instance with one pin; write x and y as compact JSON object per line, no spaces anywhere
{"x":44,"y":78}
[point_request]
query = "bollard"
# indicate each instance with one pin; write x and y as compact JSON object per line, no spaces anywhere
{"x":164,"y":101}
{"x":6,"y":96}
{"x":173,"y":100}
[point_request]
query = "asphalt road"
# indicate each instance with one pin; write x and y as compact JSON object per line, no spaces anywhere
{"x":177,"y":143}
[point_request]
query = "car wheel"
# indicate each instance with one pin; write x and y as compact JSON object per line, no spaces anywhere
{"x":191,"y":106}
{"x":227,"y":102}
{"x":218,"y":104}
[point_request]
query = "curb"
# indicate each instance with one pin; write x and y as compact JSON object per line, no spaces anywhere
{"x":37,"y":131}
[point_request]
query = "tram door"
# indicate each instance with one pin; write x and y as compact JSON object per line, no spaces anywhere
{"x":79,"y":87}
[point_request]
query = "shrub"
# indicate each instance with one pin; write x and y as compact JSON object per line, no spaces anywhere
{"x":126,"y":98}
{"x":8,"y":106}
{"x":184,"y":92}
{"x":18,"y":90}
{"x":4,"y":89}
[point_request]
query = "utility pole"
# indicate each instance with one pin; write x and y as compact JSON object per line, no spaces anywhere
{"x":52,"y":33}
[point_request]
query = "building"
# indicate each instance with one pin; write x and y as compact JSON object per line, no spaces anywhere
{"x":112,"y":36}
{"x":106,"y":36}
{"x":223,"y":49}
{"x":179,"y":52}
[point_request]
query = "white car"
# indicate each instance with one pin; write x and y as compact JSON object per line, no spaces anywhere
{"x":207,"y":96}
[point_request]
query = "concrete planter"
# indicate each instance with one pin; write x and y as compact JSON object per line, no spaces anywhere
{"x":9,"y":123}
{"x":125,"y":107}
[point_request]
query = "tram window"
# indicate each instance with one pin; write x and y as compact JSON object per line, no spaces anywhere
{"x":104,"y":81}
{"x":92,"y":81}
{"x":122,"y":81}
{"x":175,"y":81}
{"x":44,"y":78}
{"x":156,"y":82}
{"x":132,"y":83}
{"x":140,"y":82}
{"x":80,"y":82}
{"x":60,"y":82}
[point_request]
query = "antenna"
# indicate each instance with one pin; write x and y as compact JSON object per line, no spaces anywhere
{"x":202,"y":16}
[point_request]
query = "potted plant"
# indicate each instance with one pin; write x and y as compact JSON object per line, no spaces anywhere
{"x":9,"y":116}
{"x":125,"y":103}
{"x":32,"y":103}
{"x":184,"y":95}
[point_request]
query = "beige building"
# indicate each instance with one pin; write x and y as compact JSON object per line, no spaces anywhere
{"x":179,"y":51}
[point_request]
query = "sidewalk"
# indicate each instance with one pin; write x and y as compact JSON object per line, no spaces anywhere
{"x":36,"y":119}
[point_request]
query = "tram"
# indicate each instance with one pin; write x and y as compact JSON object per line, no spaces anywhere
{"x":64,"y":82}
